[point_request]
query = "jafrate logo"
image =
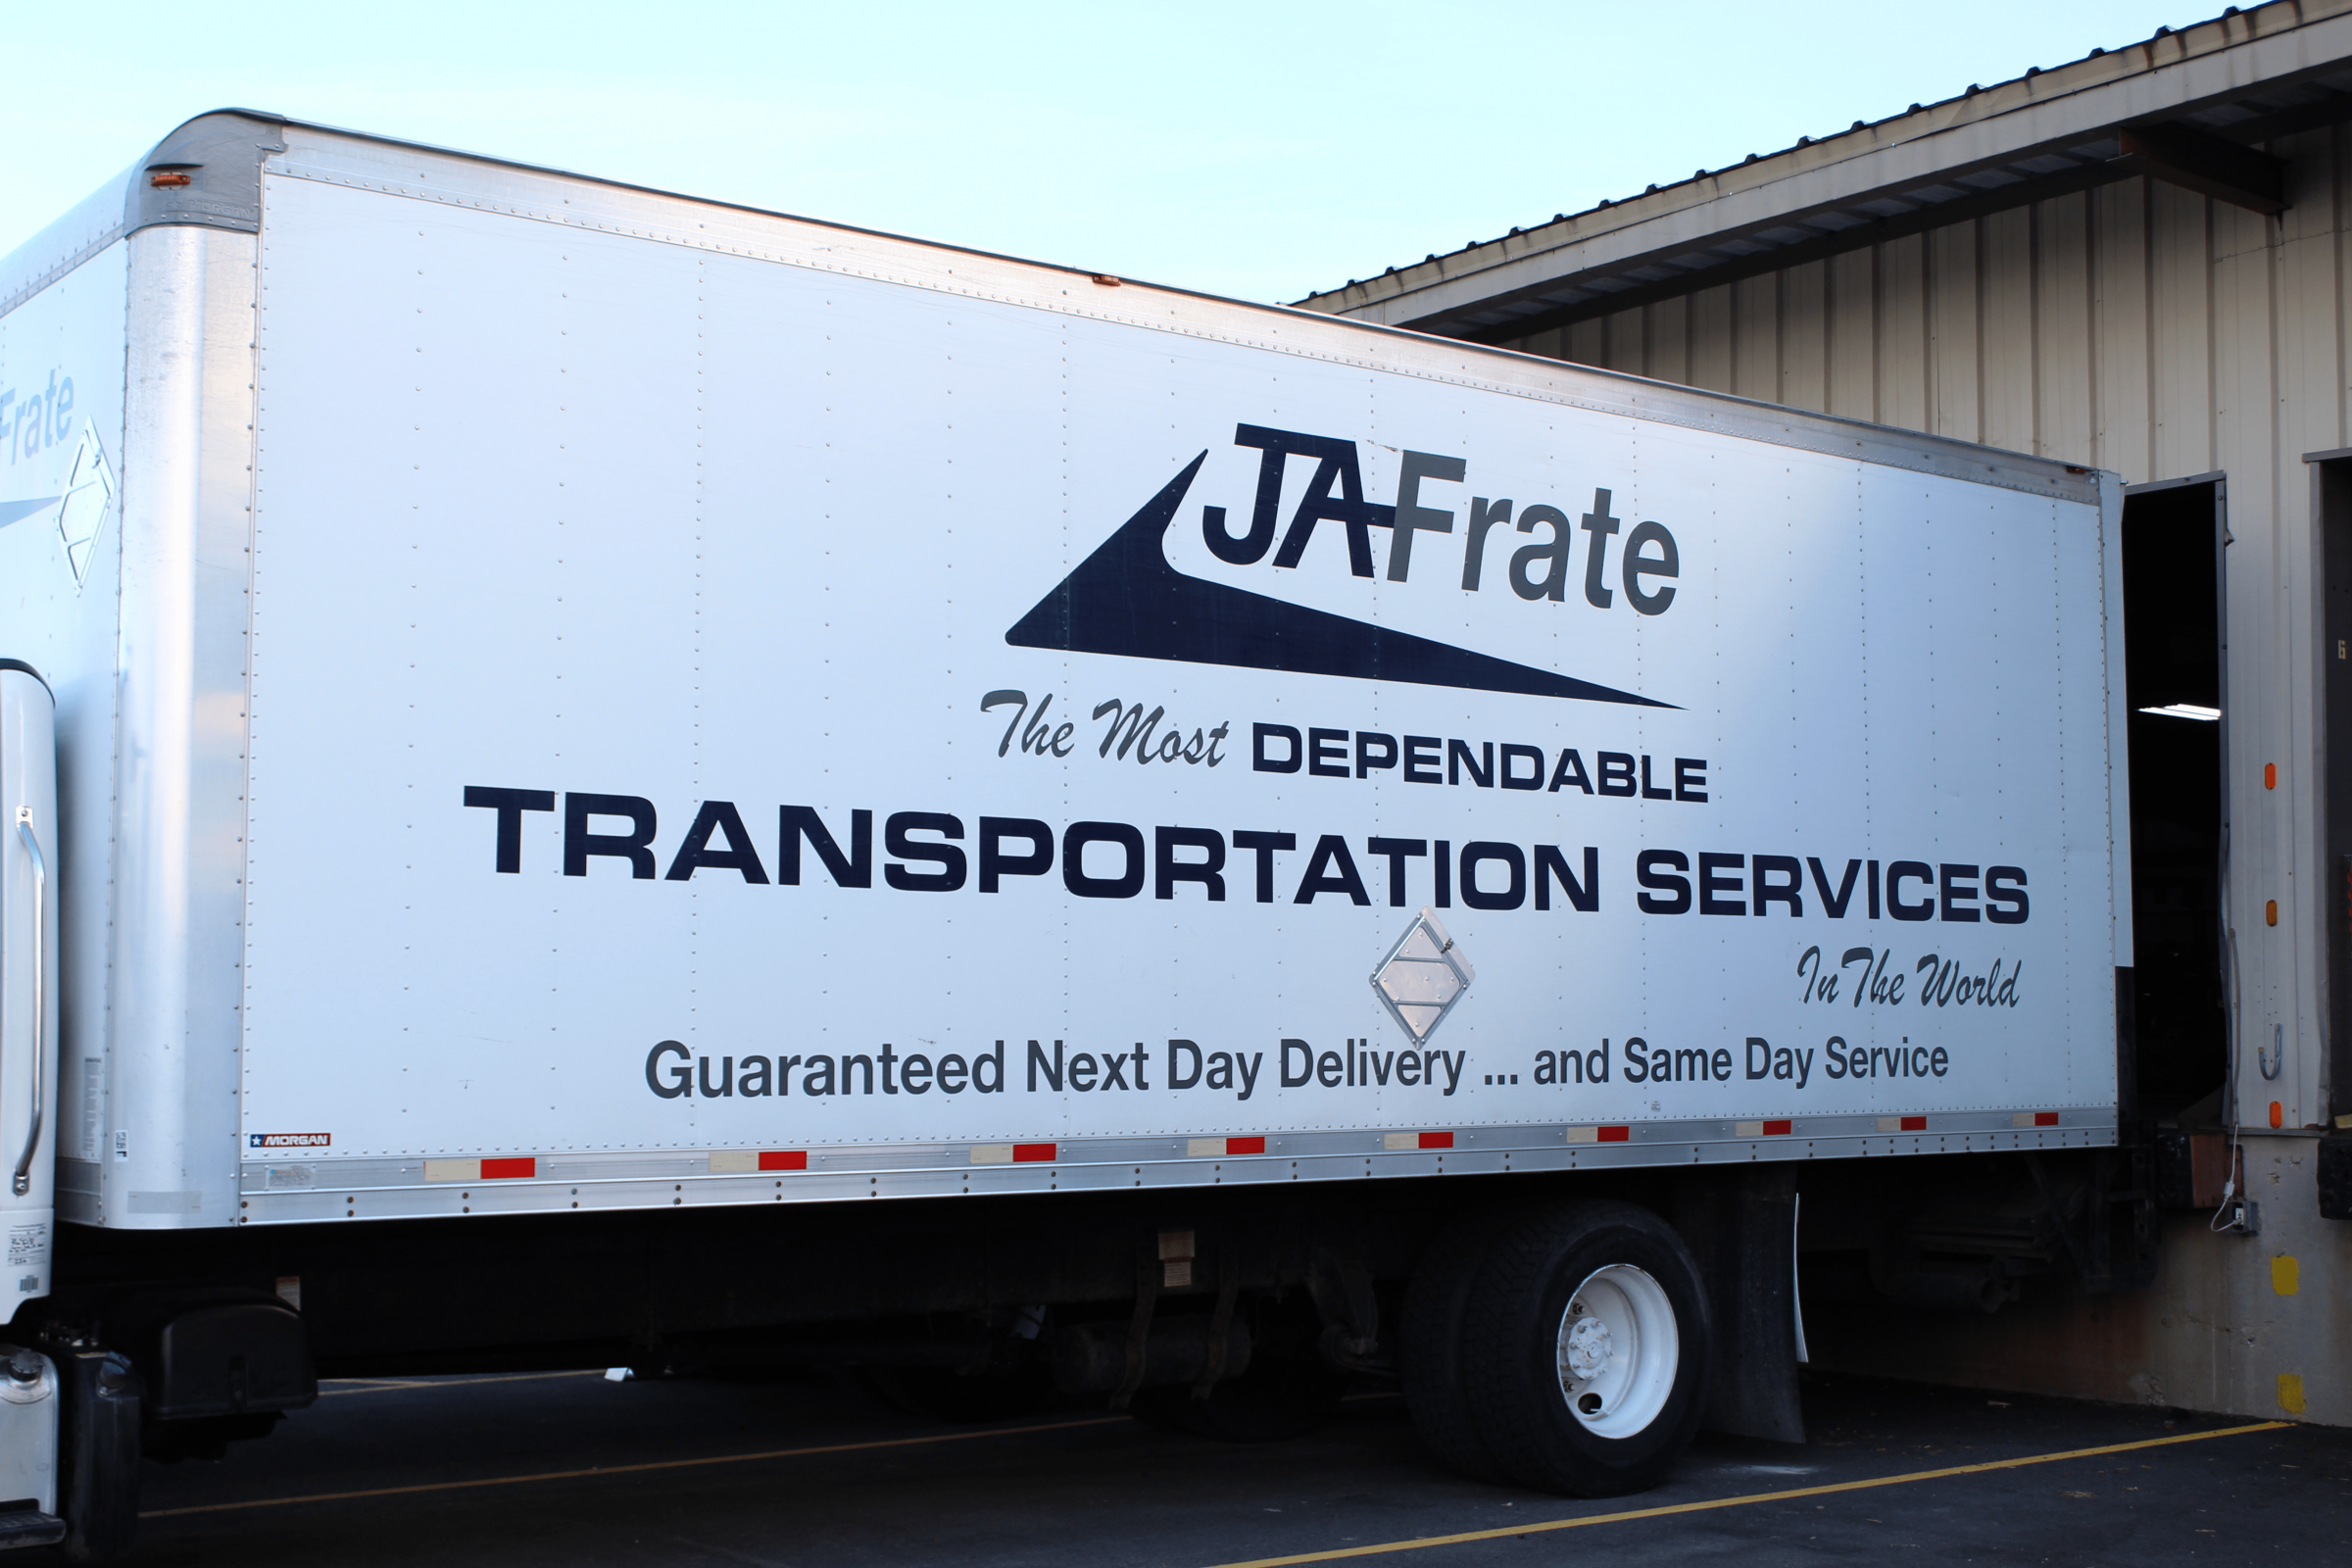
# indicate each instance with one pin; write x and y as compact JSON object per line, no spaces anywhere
{"x":1125,"y":599}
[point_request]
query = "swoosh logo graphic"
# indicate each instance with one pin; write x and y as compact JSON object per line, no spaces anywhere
{"x":17,"y":510}
{"x":1125,"y":599}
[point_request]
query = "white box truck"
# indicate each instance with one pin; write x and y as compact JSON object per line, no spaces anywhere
{"x":560,"y":742}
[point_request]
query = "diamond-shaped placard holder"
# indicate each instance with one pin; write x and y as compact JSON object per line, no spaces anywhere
{"x":89,"y":492}
{"x":1423,"y":976}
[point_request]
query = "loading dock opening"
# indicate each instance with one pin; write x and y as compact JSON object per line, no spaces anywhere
{"x":2174,"y":542}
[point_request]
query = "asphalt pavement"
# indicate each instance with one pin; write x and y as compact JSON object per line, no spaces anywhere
{"x":572,"y":1469}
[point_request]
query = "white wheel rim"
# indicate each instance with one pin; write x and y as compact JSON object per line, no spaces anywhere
{"x":1618,"y":1352}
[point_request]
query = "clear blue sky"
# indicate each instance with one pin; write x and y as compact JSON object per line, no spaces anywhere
{"x":1257,"y":150}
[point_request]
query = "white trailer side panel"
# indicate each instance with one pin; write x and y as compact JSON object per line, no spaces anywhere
{"x":62,"y":355}
{"x":652,"y":500}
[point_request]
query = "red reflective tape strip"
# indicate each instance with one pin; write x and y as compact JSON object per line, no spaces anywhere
{"x":1616,"y":1135}
{"x":1436,"y":1140}
{"x":1245,"y":1145}
{"x":502,"y":1170}
{"x":1914,"y":1124}
{"x":1030,"y":1153}
{"x":1775,"y":1129}
{"x":784,"y":1160}
{"x":2045,"y":1118}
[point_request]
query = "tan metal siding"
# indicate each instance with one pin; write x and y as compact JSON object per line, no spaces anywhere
{"x":1851,"y":316}
{"x":2137,"y":327}
{"x":1711,"y":338}
{"x":2120,"y":370}
{"x":2134,"y":327}
{"x":1802,"y":345}
{"x":2005,"y":339}
{"x":1669,"y":358}
{"x":1901,"y":338}
{"x":2064,"y":346}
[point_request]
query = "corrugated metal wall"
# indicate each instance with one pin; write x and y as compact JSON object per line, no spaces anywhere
{"x":2134,"y":327}
{"x":2141,"y":329}
{"x":2137,"y":327}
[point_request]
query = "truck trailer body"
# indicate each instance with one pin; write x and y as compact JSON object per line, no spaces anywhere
{"x":573,"y":704}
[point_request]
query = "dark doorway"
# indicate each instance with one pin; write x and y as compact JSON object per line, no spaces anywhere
{"x":2173,"y":659}
{"x":2333,"y":481}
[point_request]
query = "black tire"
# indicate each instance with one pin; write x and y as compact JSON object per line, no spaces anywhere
{"x":1429,"y":1350}
{"x":1511,"y":1349}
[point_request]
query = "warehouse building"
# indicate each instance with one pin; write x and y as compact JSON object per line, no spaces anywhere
{"x":2139,"y":262}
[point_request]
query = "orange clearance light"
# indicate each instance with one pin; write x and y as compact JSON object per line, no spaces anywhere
{"x":2270,"y":775}
{"x":2277,"y":1117}
{"x":2270,"y":912}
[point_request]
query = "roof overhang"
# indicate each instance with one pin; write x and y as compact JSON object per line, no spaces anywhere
{"x":2189,"y":107}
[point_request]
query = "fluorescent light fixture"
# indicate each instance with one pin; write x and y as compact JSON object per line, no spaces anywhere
{"x":2184,"y":710}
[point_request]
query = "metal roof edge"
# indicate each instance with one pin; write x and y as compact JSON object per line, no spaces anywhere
{"x":1506,"y":370}
{"x":217,"y":141}
{"x":88,"y":226}
{"x":221,"y":151}
{"x":230,"y":139}
{"x":220,"y":155}
{"x":2171,"y":73}
{"x":550,"y":172}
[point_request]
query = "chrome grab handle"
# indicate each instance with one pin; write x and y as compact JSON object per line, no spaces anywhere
{"x":40,"y":920}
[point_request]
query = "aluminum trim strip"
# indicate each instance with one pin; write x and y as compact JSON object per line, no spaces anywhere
{"x":396,"y":1188}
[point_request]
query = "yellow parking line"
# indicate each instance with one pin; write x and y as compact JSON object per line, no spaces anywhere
{"x":1548,"y":1524}
{"x":637,"y":1469}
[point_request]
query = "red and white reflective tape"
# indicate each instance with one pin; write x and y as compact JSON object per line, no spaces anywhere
{"x":1013,"y":1154}
{"x":481,"y":1170}
{"x":1222,"y":1148}
{"x":744,"y":1161}
{"x":750,"y":1161}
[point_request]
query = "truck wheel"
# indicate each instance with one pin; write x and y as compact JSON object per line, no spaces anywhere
{"x":1586,"y":1350}
{"x":1436,"y":1306}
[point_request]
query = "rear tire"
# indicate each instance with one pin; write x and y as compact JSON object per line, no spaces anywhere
{"x":1586,"y":1350}
{"x":1436,"y":1309}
